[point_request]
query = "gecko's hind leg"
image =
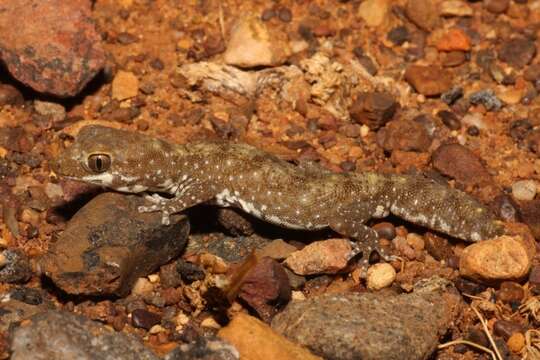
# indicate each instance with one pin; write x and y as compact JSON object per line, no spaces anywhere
{"x":349,"y":221}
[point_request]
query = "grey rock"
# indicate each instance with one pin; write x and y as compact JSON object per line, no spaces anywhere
{"x":59,"y":335}
{"x":371,"y":326}
{"x":211,"y":348}
{"x":14,"y":266}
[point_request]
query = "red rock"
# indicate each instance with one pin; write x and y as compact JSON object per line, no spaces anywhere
{"x":458,"y":162}
{"x":57,"y":50}
{"x":373,"y":109}
{"x":405,"y":135}
{"x":454,"y":39}
{"x":530,"y":215}
{"x":428,"y":80}
{"x":265,"y":286}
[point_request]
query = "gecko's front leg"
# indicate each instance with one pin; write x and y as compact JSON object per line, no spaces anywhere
{"x":184,"y":198}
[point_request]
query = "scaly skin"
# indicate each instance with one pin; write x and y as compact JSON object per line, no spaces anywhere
{"x":269,"y":188}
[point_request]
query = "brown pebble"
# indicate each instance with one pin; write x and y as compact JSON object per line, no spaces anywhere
{"x":449,"y":119}
{"x":510,"y":292}
{"x":268,"y":14}
{"x":385,"y":230}
{"x":404,"y":135}
{"x":534,"y":275}
{"x":517,"y":52}
{"x":157,"y":64}
{"x":505,"y":328}
{"x":144,"y":319}
{"x":496,"y":6}
{"x":460,"y":163}
{"x":468,"y":287}
{"x":428,"y":80}
{"x":373,"y":109}
{"x":284,"y":14}
{"x":125,"y":38}
{"x":10,"y":95}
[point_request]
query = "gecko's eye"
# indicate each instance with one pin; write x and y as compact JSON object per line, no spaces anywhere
{"x":99,"y":163}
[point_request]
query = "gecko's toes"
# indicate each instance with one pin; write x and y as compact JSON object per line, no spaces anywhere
{"x":165,"y":220}
{"x":145,"y":209}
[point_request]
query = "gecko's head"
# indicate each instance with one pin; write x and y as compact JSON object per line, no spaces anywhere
{"x":114,"y":158}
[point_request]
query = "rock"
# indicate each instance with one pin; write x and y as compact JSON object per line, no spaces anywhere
{"x":453,"y":58}
{"x":266,"y":286}
{"x":529,"y":211}
{"x":534,"y":276}
{"x":449,"y":119}
{"x":235,"y":222}
{"x":16,"y":139}
{"x":319,"y":257}
{"x":380,"y":276}
{"x":487,"y":98}
{"x":516,"y":343}
{"x":428,"y":80}
{"x":374,"y":12}
{"x":404,"y":135}
{"x":531,"y":73}
{"x":501,"y":258}
{"x":372,"y":325}
{"x":517,"y":52}
{"x":247,"y":333}
{"x":458,"y":162}
{"x":58,"y":335}
{"x":385,"y":230}
{"x":108,"y":244}
{"x":454,"y":40}
{"x":524,"y":190}
{"x":125,"y":85}
{"x":14,"y":311}
{"x":203,"y":348}
{"x":14,"y":266}
{"x":423,"y":13}
{"x":399,"y":35}
{"x":9,"y":95}
{"x":253,"y":44}
{"x":373,"y":109}
{"x":54,"y":111}
{"x":497,"y":6}
{"x":510,"y":292}
{"x":506,"y":328}
{"x":277,"y":250}
{"x":455,"y":8}
{"x":230,"y":249}
{"x":58,"y":52}
{"x":141,"y":318}
{"x":438,"y":247}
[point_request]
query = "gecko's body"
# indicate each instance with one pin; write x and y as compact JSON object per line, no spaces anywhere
{"x":267,"y":187}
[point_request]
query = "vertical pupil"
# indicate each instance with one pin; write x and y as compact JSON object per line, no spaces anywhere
{"x":99,"y":164}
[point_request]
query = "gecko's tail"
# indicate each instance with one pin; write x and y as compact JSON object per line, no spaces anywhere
{"x":428,"y":203}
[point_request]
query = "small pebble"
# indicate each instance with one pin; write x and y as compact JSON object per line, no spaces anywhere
{"x":144,"y":319}
{"x":516,"y":342}
{"x":142,"y":286}
{"x":380,"y":276}
{"x":524,"y":190}
{"x":285,"y":15}
{"x":385,"y":230}
{"x":506,"y":328}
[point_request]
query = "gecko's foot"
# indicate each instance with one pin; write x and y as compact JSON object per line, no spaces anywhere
{"x":155,"y":198}
{"x":165,"y":215}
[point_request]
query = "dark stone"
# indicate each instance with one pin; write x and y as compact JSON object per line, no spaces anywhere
{"x":520,"y":128}
{"x":506,"y":208}
{"x":449,"y":119}
{"x":438,"y":247}
{"x":398,"y":35}
{"x":505,"y":328}
{"x":189,"y":272}
{"x":452,"y":95}
{"x":16,"y":268}
{"x":126,"y":38}
{"x":236,"y":222}
{"x":373,"y":109}
{"x":58,"y":52}
{"x":58,"y":335}
{"x":27,"y":295}
{"x":529,"y":212}
{"x":108,"y":244}
{"x":144,"y":319}
{"x":268,"y":14}
{"x":468,"y":287}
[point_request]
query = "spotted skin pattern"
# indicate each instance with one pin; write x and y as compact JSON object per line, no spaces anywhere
{"x":176,"y":177}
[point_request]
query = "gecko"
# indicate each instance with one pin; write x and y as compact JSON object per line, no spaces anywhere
{"x":175,"y":177}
